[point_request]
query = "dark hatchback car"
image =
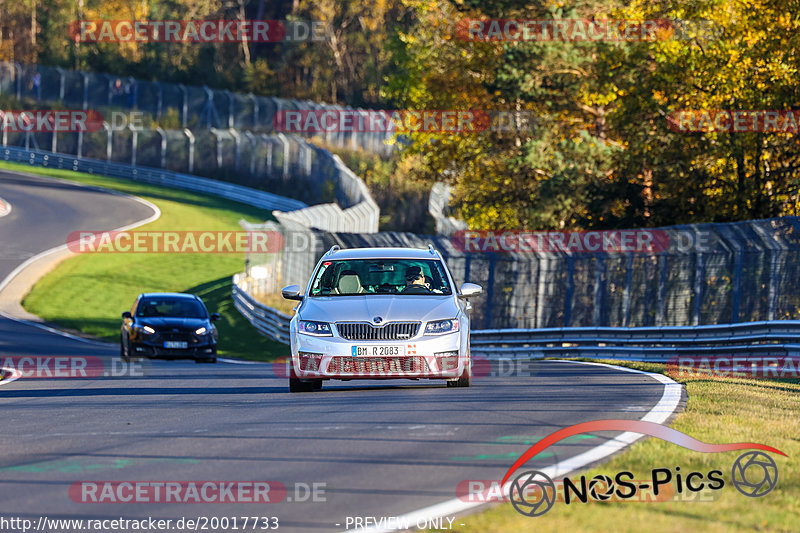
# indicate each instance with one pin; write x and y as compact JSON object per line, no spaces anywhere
{"x":169,"y":326}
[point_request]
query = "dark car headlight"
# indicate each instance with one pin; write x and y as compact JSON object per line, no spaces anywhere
{"x":440,"y":327}
{"x":317,"y":329}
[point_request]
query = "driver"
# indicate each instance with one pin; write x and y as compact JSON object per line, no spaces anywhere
{"x":415,"y":281}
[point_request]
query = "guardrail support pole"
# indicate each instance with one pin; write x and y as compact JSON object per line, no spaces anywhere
{"x":189,"y":134}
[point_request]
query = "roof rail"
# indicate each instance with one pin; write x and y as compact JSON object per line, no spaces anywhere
{"x":333,"y":249}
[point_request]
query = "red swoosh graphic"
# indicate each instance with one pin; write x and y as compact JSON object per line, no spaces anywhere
{"x":635,"y":426}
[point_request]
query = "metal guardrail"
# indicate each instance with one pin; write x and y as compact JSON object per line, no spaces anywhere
{"x":777,"y":338}
{"x":270,"y":322}
{"x":239,"y":193}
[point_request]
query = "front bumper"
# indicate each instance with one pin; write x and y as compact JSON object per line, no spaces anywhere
{"x":195,"y":351}
{"x":434,"y":357}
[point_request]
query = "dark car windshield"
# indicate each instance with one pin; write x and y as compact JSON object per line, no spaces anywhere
{"x":357,"y":277}
{"x":170,"y":307}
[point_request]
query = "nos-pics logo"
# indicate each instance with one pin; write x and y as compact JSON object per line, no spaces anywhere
{"x":533,"y":492}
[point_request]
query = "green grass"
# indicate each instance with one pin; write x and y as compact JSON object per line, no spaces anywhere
{"x":718,"y":411}
{"x":89,"y":292}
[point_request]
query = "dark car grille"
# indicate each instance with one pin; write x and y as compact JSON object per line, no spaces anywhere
{"x":392,"y":331}
{"x":177,"y":336}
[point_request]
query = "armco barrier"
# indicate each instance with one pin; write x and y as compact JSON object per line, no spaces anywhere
{"x":270,"y":322}
{"x":770,"y":338}
{"x":155,"y":176}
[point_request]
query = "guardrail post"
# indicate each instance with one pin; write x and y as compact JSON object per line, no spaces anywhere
{"x":255,"y":109}
{"x":159,"y":100}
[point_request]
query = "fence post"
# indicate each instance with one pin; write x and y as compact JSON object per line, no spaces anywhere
{"x":699,"y":273}
{"x":626,"y":296}
{"x":18,"y":79}
{"x":599,"y":290}
{"x":61,"y":75}
{"x":54,"y":141}
{"x":109,"y":140}
{"x":490,"y":292}
{"x":237,"y":140}
{"x":190,"y":136}
{"x":85,"y":77}
{"x":184,"y":105}
{"x":163,"y":135}
{"x":252,"y":139}
{"x":737,"y":286}
{"x":569,"y":292}
{"x":159,"y":99}
{"x":134,"y":143}
{"x":231,"y":123}
{"x":215,"y":132}
{"x":255,"y":109}
{"x":662,"y":290}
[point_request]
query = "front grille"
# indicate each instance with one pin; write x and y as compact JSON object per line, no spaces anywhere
{"x":363,"y":331}
{"x":177,"y":336}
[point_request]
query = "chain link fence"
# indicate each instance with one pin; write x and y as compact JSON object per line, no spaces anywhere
{"x":193,"y":106}
{"x":711,"y":274}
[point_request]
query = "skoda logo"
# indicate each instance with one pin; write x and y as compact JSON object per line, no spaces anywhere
{"x":377,"y":320}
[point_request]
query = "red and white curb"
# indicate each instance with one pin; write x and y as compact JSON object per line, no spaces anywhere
{"x":5,"y":208}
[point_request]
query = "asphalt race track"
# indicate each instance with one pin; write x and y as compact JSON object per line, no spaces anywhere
{"x":372,"y":448}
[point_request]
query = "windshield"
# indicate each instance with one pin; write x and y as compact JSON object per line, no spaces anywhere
{"x":362,"y":277}
{"x":170,"y":307}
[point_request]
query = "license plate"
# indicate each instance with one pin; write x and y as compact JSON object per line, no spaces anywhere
{"x":377,"y":350}
{"x":176,"y":344}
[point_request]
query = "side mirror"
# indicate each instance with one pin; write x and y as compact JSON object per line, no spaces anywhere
{"x":292,"y":292}
{"x":470,"y":289}
{"x":126,"y":314}
{"x":214,"y":317}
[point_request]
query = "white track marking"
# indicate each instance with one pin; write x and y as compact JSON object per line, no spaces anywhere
{"x":155,"y":216}
{"x":659,"y":413}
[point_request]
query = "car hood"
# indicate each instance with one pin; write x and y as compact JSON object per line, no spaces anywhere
{"x":163,"y":322}
{"x":390,"y":308}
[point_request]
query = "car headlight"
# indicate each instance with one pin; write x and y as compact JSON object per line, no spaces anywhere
{"x":148,"y":330}
{"x":317,"y":329}
{"x":438,"y":327}
{"x":200,"y":331}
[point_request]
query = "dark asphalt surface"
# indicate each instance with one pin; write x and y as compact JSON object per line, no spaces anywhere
{"x":377,"y":448}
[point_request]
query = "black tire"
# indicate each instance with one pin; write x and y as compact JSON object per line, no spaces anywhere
{"x":209,"y":360}
{"x":296,"y":385}
{"x":464,"y":381}
{"x":317,"y":383}
{"x":123,"y":351}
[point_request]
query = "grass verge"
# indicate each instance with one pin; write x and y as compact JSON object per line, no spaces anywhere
{"x":88,"y":292}
{"x":718,"y":411}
